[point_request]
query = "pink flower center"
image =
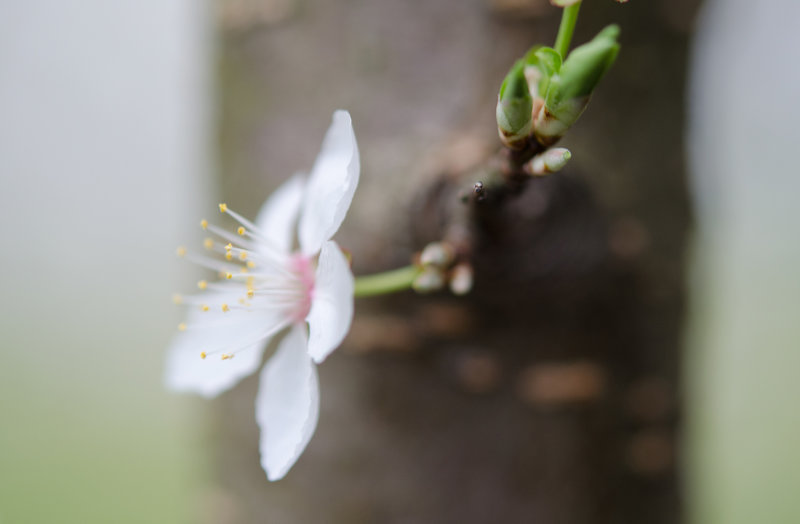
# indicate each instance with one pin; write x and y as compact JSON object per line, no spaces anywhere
{"x":303,"y":268}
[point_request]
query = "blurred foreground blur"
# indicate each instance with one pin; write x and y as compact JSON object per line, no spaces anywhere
{"x":104,"y":166}
{"x":744,"y":350}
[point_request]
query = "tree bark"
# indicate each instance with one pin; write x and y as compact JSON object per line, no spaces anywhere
{"x":550,"y":393}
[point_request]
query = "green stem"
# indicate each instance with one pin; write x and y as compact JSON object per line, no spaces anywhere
{"x":388,"y":282}
{"x":565,"y":30}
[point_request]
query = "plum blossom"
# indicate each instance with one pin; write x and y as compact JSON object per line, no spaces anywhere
{"x":281,"y":271}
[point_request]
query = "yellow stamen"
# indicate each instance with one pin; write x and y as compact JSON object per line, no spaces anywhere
{"x":240,"y":230}
{"x":243,"y":270}
{"x":242,"y":301}
{"x":202,"y":284}
{"x":223,"y":208}
{"x":204,"y":307}
{"x":227,"y":356}
{"x":225,"y":307}
{"x":251,"y":264}
{"x":242,"y":256}
{"x":182,"y":326}
{"x":181,"y":251}
{"x":228,"y":247}
{"x":204,"y":223}
{"x":203,"y":355}
{"x":208,"y":243}
{"x":228,"y":276}
{"x":250,"y":293}
{"x":228,"y":256}
{"x":177,"y":299}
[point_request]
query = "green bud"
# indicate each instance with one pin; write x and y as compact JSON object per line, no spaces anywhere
{"x":609,"y":31}
{"x":514,"y":107}
{"x":551,"y":161}
{"x":569,"y":91}
{"x":586,"y":65}
{"x":564,"y":3}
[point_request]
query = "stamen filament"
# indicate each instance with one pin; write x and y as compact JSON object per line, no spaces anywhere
{"x":265,"y":252}
{"x":230,"y":237}
{"x":251,"y":230}
{"x":242,"y":220}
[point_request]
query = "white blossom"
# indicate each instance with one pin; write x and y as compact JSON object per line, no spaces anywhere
{"x":282,"y":271}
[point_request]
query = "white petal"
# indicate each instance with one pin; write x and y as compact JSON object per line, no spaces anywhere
{"x":278,"y":216}
{"x":330,"y":186}
{"x":287,"y":405}
{"x":243,"y":333}
{"x":332,"y":303}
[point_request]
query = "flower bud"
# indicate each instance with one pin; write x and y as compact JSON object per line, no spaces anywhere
{"x":430,"y":279}
{"x":514,"y":107}
{"x":437,"y":254}
{"x":569,"y":91}
{"x":551,"y":161}
{"x":461,"y":279}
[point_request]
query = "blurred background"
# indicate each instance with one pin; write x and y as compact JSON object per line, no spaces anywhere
{"x":121,"y":125}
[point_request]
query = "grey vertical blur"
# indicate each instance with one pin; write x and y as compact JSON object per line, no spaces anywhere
{"x":104,"y":163}
{"x":745,"y":337}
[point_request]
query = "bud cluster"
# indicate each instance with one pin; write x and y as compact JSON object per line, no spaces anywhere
{"x":439,"y":268}
{"x":543,"y":95}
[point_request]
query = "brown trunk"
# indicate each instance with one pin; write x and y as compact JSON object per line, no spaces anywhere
{"x":547,"y":395}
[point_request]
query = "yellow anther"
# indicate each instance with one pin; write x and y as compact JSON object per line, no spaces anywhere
{"x":225,"y":307}
{"x":181,"y":251}
{"x":176,"y":298}
{"x":204,"y":307}
{"x":223,"y":208}
{"x":228,"y":256}
{"x":204,"y":223}
{"x":229,"y":275}
{"x":208,"y":243}
{"x":203,"y":355}
{"x":242,"y":301}
{"x":202,"y":284}
{"x":242,"y":255}
{"x":240,"y":230}
{"x":251,"y":264}
{"x":250,"y":293}
{"x":228,"y":247}
{"x":182,"y":326}
{"x":243,"y":270}
{"x":250,"y":281}
{"x":227,"y":356}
